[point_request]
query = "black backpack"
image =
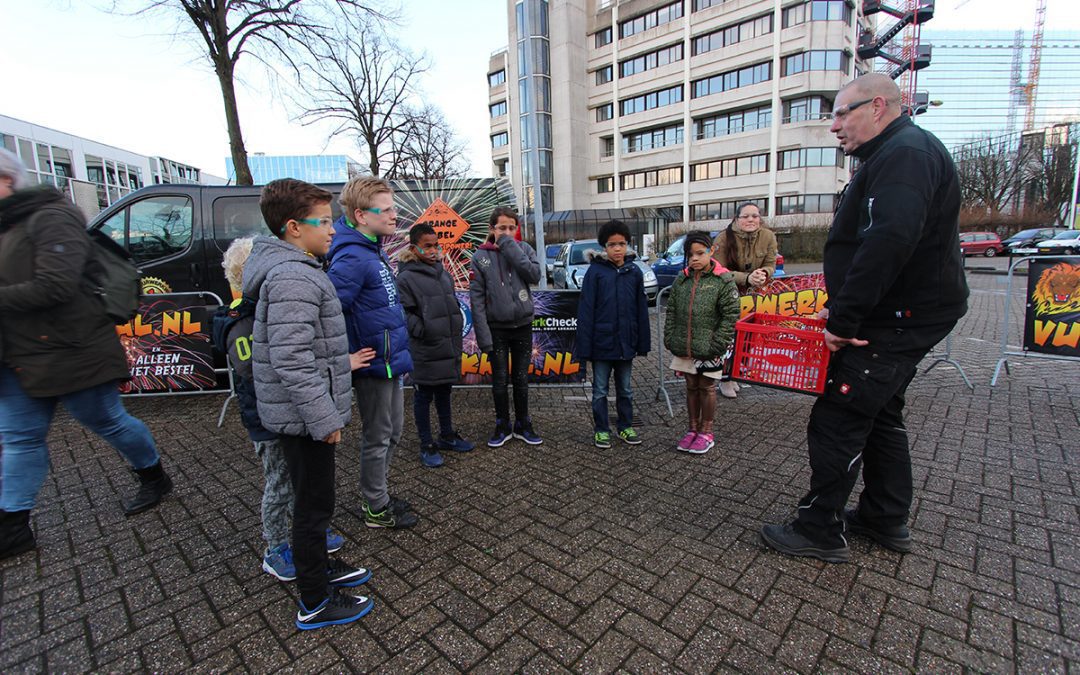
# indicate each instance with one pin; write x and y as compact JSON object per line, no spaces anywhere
{"x":114,"y":277}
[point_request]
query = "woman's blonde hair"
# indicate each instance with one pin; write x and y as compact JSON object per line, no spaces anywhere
{"x":235,"y":257}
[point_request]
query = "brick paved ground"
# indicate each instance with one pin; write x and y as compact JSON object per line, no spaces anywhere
{"x":566,"y":557}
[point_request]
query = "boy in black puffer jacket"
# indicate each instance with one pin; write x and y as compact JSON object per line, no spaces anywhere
{"x":434,"y":321}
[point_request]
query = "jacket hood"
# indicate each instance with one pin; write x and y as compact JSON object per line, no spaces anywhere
{"x":25,"y":202}
{"x":489,"y":246}
{"x":600,"y":255}
{"x":266,"y":254}
{"x":868,"y":148}
{"x":716,"y":269}
{"x":409,"y":255}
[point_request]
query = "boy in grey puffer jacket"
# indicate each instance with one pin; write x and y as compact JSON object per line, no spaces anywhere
{"x":502,"y":307}
{"x":302,"y":384}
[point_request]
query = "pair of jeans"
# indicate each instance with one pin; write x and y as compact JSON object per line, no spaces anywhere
{"x":381,"y":405}
{"x":24,"y":424}
{"x":278,"y":501}
{"x":311,"y":467}
{"x":423,"y":395}
{"x":624,"y":396}
{"x":511,"y":353}
{"x":859,"y":424}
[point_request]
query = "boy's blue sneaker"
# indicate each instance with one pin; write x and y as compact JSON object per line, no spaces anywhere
{"x":334,"y":541}
{"x":501,"y":436}
{"x":278,"y":563}
{"x":335,"y":610}
{"x":455,"y":443}
{"x":523,"y":430}
{"x":430,"y":457}
{"x":340,"y":574}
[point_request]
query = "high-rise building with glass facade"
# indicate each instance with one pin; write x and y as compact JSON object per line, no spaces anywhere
{"x":310,"y":168}
{"x":695,"y":105}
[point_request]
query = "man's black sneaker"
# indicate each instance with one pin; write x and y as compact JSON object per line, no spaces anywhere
{"x":335,"y":610}
{"x":340,"y":574}
{"x":785,"y":539}
{"x":388,"y":518}
{"x":893,"y":538}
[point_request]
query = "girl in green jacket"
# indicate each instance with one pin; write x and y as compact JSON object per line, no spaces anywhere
{"x":699,"y":331}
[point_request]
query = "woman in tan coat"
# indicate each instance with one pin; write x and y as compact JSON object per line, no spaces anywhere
{"x":749,"y":251}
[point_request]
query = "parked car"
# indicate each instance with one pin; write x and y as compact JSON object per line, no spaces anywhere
{"x":551,"y":251}
{"x":980,"y":243}
{"x":1063,"y":243}
{"x":571,"y":265}
{"x":670,"y":262}
{"x":1027,"y":239}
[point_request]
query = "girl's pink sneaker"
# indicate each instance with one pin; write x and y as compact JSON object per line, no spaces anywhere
{"x":687,"y":441}
{"x":701,"y":444}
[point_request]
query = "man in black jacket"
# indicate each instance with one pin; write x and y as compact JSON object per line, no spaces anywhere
{"x":896,"y":285}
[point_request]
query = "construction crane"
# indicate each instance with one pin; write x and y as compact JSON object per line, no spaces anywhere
{"x":1032,"y":86}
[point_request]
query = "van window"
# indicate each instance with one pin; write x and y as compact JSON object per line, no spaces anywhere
{"x":115,"y":227}
{"x":157,"y":227}
{"x":236,"y":217}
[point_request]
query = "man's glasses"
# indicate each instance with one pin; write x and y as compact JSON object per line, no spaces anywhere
{"x":316,"y":222}
{"x":377,"y":211}
{"x":840,"y":112}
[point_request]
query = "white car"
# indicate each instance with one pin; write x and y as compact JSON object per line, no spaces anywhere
{"x":572,"y":264}
{"x":1063,"y":243}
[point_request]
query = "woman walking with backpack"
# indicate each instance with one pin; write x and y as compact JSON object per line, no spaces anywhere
{"x":57,"y":345}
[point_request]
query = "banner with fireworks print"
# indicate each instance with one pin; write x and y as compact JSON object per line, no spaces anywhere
{"x":458,"y":209}
{"x":168,"y":345}
{"x":795,"y":295}
{"x":554,"y":333}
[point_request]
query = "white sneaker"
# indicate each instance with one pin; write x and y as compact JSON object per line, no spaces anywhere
{"x":729,"y":389}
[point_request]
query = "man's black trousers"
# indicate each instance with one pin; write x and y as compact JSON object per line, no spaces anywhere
{"x":859,"y":423}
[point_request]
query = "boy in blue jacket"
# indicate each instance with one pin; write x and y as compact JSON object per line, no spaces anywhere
{"x":374,"y":319}
{"x":613,"y":327}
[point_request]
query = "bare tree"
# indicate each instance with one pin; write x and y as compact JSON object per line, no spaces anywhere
{"x":269,"y":30}
{"x":1056,"y":179}
{"x":428,"y":147}
{"x":362,"y":82}
{"x":991,"y":174}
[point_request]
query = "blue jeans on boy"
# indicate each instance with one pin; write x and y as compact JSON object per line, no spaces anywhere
{"x":24,"y":424}
{"x":624,"y":397}
{"x":423,"y":395}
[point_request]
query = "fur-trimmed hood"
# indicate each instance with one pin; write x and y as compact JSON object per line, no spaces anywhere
{"x":409,"y":254}
{"x":600,"y":254}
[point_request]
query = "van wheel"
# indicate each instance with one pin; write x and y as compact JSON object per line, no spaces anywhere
{"x":990,"y":252}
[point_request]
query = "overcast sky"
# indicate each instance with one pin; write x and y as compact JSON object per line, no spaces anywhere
{"x":127,"y":82}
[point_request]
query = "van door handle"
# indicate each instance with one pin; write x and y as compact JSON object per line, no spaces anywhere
{"x":196,"y":275}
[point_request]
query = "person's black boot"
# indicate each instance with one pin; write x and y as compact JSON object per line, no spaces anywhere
{"x":153,"y":485}
{"x":15,"y":534}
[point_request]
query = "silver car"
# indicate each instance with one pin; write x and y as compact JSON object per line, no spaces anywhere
{"x":571,"y":265}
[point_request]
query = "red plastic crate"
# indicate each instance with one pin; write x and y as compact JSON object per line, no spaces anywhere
{"x":781,"y":351}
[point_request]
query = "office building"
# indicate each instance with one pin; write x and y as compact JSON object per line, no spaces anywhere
{"x":93,"y":174}
{"x":310,"y":168}
{"x":689,"y":106}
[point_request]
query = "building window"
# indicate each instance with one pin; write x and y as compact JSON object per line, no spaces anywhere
{"x":727,"y":168}
{"x":603,"y":37}
{"x":661,"y":57}
{"x":733,"y":79}
{"x":806,"y":204}
{"x":651,"y":139}
{"x":500,"y":168}
{"x":498,"y":109}
{"x":496,"y":78}
{"x":605,"y":112}
{"x":705,"y":4}
{"x":607,"y":146}
{"x":733,"y":122}
{"x":818,"y":59}
{"x":500,"y":139}
{"x":603,"y":76}
{"x":651,"y":178}
{"x":807,"y":108}
{"x":817,"y":10}
{"x":724,"y":211}
{"x":654,"y":99}
{"x":657,"y":17}
{"x":803,"y":157}
{"x":733,"y":34}
{"x":605,"y":184}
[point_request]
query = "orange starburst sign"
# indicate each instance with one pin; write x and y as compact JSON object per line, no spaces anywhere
{"x":447,"y":223}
